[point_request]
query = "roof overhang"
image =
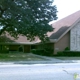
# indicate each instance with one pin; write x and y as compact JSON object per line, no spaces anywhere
{"x":53,"y":40}
{"x":20,"y":43}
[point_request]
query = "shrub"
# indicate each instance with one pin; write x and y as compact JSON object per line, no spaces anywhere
{"x":48,"y":51}
{"x":67,"y":49}
{"x":33,"y":51}
{"x":4,"y":51}
{"x":37,"y":51}
{"x":68,"y":53}
{"x":44,"y":52}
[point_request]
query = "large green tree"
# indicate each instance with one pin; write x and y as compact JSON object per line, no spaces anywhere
{"x":27,"y":17}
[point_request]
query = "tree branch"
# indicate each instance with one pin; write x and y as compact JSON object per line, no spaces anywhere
{"x":2,"y":30}
{"x":2,"y":11}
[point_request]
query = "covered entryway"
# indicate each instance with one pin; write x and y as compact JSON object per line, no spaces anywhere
{"x":21,"y":49}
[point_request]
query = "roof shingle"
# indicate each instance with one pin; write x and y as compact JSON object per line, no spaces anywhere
{"x":59,"y":29}
{"x":62,"y":25}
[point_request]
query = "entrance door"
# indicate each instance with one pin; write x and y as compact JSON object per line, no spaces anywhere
{"x":21,"y":49}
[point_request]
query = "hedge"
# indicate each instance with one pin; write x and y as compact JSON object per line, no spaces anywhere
{"x":68,"y":53}
{"x":4,"y":51}
{"x":42,"y":52}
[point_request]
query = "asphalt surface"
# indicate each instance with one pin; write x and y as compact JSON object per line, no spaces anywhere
{"x":47,"y":69}
{"x":60,"y":71}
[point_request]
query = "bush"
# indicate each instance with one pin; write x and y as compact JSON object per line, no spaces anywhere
{"x":4,"y":51}
{"x":44,"y":52}
{"x":48,"y":51}
{"x":67,"y":49}
{"x":38,"y":51}
{"x":33,"y":50}
{"x":68,"y":53}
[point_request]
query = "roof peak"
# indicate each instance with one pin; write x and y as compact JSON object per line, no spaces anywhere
{"x":61,"y":26}
{"x":75,"y":13}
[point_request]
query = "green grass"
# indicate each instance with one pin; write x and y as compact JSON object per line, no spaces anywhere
{"x":19,"y":57}
{"x":68,"y":58}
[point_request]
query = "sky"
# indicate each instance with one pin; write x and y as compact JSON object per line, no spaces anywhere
{"x":66,"y":7}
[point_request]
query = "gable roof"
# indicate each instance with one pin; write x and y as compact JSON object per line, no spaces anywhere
{"x":7,"y":39}
{"x":62,"y":26}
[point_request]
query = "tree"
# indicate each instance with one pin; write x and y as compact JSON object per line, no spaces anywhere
{"x":27,"y":17}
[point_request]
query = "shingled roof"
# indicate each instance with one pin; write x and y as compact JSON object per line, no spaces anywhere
{"x":7,"y":39}
{"x":62,"y":26}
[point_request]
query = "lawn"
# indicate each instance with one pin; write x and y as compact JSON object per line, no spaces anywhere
{"x":68,"y":58}
{"x":19,"y":57}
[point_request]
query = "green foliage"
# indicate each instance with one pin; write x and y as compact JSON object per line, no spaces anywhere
{"x":27,"y":17}
{"x":38,"y":51}
{"x":68,"y":53}
{"x":46,"y":50}
{"x":67,"y":49}
{"x":33,"y":51}
{"x":75,"y":75}
{"x":5,"y":49}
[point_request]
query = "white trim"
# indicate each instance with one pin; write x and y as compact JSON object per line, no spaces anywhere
{"x":28,"y":43}
{"x":53,"y":40}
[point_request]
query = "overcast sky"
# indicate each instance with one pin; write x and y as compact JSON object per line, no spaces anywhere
{"x":66,"y":7}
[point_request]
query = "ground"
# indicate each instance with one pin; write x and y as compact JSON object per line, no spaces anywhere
{"x":68,"y":58}
{"x":19,"y":57}
{"x":35,"y":67}
{"x":57,"y":71}
{"x":31,"y":57}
